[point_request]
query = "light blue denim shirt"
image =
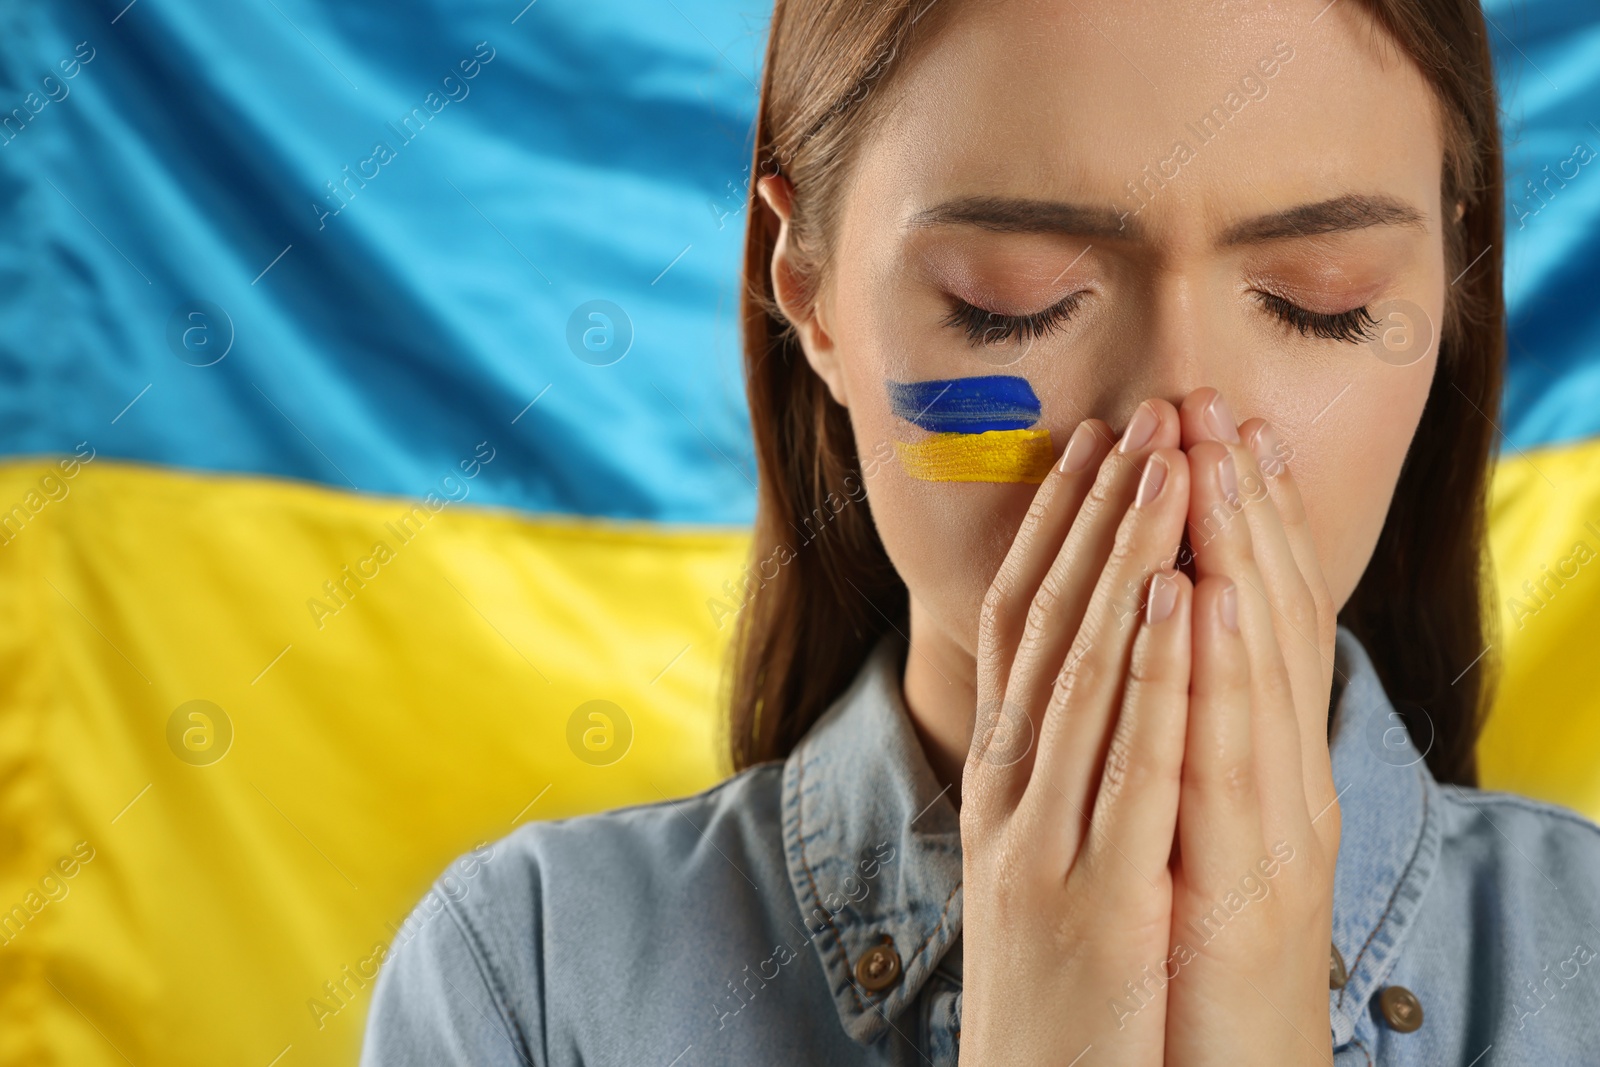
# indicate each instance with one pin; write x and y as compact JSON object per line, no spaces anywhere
{"x":726,"y":928}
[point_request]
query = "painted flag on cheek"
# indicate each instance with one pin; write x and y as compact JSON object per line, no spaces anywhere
{"x":980,"y":429}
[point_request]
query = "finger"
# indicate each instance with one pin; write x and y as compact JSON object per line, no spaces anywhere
{"x":1220,"y":535}
{"x":1272,"y":456}
{"x":1288,"y":592}
{"x":1219,"y":809}
{"x":1087,"y":691}
{"x":1302,"y":607}
{"x":1037,"y":542}
{"x":1063,"y":593}
{"x":1136,"y":808}
{"x":1205,"y":416}
{"x":1292,"y":610}
{"x":1299,"y":594}
{"x":997,"y":731}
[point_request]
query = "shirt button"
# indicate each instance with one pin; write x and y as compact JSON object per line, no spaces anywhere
{"x":1400,"y":1008}
{"x":879,"y":966}
{"x":1337,"y":975}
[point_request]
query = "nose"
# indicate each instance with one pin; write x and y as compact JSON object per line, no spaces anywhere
{"x":1177,"y":347}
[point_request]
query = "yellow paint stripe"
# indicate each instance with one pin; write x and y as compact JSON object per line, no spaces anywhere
{"x":992,"y":456}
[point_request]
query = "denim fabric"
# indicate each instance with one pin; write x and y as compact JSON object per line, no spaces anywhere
{"x":723,"y":928}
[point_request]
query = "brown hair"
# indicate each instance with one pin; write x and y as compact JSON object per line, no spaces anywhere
{"x":1421,"y":607}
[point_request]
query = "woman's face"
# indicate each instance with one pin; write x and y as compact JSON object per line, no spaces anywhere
{"x":1192,"y":184}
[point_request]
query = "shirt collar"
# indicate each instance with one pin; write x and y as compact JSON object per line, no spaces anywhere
{"x":860,"y":799}
{"x":873,"y":842}
{"x":1390,"y":832}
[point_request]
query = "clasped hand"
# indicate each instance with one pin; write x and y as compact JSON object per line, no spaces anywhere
{"x":1148,"y":817}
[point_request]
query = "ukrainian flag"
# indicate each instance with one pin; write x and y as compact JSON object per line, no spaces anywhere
{"x":375,"y":459}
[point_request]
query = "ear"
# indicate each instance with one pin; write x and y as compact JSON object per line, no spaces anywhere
{"x":809,"y":322}
{"x":1461,"y":209}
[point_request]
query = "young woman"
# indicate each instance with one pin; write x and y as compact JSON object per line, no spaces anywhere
{"x":1077,"y":721}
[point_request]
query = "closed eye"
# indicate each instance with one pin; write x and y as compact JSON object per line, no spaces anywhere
{"x":985,"y":327}
{"x":1356,"y":326}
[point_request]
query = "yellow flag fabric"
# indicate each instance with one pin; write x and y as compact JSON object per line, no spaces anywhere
{"x":243,"y":724}
{"x":226,"y":910}
{"x":1543,"y":738}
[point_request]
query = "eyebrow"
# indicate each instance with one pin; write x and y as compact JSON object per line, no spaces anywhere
{"x":1342,"y":214}
{"x":1001,"y":214}
{"x":1005,"y":214}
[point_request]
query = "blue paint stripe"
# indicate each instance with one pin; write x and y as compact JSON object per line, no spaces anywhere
{"x":966,"y":405}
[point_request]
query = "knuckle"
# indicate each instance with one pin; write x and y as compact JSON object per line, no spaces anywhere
{"x":1236,"y":782}
{"x":1229,"y":781}
{"x":1147,"y":671}
{"x":994,"y":617}
{"x":1078,"y":673}
{"x":1301,"y":609}
{"x":978,"y":818}
{"x":1118,"y":766}
{"x":1050,"y":593}
{"x":1010,"y":867}
{"x":1037,"y":510}
{"x":973,"y":818}
{"x":1124,"y":548}
{"x":1130,"y":770}
{"x":1032,"y":643}
{"x":1100,"y":494}
{"x":1000,"y":594}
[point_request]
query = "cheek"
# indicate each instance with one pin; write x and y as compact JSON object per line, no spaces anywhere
{"x":946,"y":539}
{"x":1348,"y":464}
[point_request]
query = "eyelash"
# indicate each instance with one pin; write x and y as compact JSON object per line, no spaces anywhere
{"x":1354,"y":326}
{"x":985,"y":327}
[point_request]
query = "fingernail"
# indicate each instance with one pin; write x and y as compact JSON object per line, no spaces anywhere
{"x":1268,"y":447}
{"x":1228,"y":478}
{"x":1154,"y":477}
{"x":1080,"y":449}
{"x":1220,"y":418}
{"x":1163,"y":595}
{"x":1228,"y":607}
{"x":1140,"y":429}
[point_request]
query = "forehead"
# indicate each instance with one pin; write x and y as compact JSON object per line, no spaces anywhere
{"x":1190,"y":114}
